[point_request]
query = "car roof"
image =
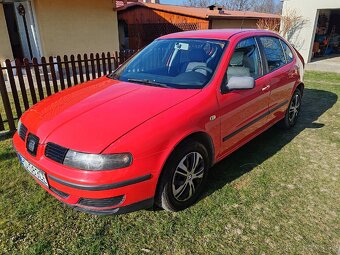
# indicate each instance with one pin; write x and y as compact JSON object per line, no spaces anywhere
{"x":221,"y":34}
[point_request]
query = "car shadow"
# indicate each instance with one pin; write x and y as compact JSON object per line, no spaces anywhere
{"x":315,"y":103}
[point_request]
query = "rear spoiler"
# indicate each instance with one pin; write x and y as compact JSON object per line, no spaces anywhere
{"x":300,"y":57}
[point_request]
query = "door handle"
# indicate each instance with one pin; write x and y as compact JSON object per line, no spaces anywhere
{"x":266,"y":88}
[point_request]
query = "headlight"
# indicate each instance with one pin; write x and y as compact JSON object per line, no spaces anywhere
{"x":19,"y":125}
{"x":97,"y":162}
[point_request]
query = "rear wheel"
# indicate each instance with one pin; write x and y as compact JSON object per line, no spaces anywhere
{"x":183,"y":177}
{"x":293,"y":111}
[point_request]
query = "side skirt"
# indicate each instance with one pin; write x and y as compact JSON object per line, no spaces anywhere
{"x":237,"y":146}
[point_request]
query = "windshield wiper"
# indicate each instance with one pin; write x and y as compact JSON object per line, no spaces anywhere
{"x":148,"y":82}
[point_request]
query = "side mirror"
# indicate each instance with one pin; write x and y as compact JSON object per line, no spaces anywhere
{"x":240,"y":83}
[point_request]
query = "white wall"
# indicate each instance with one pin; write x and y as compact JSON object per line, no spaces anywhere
{"x":5,"y":44}
{"x":78,"y":26}
{"x":304,"y":37}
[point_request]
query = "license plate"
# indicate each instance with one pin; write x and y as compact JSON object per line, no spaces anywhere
{"x":37,"y":173}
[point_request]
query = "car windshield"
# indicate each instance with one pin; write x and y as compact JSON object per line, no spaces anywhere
{"x":175,"y":63}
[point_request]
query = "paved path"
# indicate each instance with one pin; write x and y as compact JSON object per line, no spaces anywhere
{"x":325,"y":65}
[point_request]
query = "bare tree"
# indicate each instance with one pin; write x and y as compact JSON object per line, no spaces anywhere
{"x":237,"y":5}
{"x":291,"y":22}
{"x":199,"y":3}
{"x":269,"y":24}
{"x":270,"y":6}
{"x":267,"y":6}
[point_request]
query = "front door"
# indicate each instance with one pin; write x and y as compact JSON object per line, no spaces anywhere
{"x":243,"y":112}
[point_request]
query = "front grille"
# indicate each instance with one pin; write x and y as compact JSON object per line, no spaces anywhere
{"x":22,"y":132}
{"x":55,"y":152}
{"x":59,"y":193}
{"x":106,"y":202}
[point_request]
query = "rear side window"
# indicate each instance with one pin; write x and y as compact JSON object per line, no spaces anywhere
{"x":274,"y":53}
{"x":288,"y":52}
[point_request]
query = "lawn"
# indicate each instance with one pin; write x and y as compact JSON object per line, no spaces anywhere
{"x":279,"y":194}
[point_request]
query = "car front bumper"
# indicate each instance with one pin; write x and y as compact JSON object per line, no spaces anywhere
{"x":95,"y":192}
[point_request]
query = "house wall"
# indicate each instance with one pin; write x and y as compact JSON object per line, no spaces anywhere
{"x":304,"y":36}
{"x":5,"y":44}
{"x":236,"y":23}
{"x":77,"y":26}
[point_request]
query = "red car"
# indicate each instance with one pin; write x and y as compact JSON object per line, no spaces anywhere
{"x":148,"y":133}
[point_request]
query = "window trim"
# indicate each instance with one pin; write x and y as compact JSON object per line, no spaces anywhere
{"x":284,"y":52}
{"x":261,"y":60}
{"x":264,"y":54}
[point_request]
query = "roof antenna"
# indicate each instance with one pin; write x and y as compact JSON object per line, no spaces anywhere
{"x":244,"y":16}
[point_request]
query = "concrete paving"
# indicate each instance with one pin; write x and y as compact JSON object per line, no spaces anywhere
{"x":329,"y":64}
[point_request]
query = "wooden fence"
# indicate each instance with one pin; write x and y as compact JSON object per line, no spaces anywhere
{"x":24,"y":83}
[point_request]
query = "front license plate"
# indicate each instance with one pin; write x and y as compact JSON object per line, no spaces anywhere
{"x":37,"y":173}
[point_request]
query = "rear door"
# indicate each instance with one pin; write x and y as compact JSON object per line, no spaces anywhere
{"x":243,"y":112}
{"x":281,"y":74}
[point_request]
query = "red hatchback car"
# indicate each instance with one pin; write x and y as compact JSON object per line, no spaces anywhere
{"x":149,"y":132}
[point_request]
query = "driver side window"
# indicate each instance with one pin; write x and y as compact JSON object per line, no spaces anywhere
{"x":246,"y":60}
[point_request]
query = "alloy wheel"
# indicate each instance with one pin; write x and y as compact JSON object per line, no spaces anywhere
{"x":294,"y":108}
{"x":188,"y":176}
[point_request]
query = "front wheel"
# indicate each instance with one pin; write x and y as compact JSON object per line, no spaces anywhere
{"x":183,"y":177}
{"x":293,"y":111}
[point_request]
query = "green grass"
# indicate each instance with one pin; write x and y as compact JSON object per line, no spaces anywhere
{"x":279,"y":194}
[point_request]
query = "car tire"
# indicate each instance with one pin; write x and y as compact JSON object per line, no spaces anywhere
{"x":292,"y":112}
{"x":183,"y":177}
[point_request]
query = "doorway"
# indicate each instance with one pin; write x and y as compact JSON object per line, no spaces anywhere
{"x":22,"y":30}
{"x":327,"y":35}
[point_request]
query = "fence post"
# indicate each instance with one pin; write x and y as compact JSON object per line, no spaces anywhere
{"x":109,"y":64}
{"x":47,"y":81}
{"x":53,"y":74}
{"x":18,"y":66}
{"x":61,"y":73}
{"x":87,"y":71}
{"x":13,"y":87}
{"x":38,"y":78}
{"x":2,"y":127}
{"x":80,"y":68}
{"x":74,"y":70}
{"x":104,"y":64}
{"x":67,"y":70}
{"x":6,"y":102}
{"x":116,"y":60}
{"x":93,"y":66}
{"x":30,"y":80}
{"x":98,"y":65}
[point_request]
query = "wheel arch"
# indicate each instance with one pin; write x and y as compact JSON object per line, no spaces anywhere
{"x":199,"y":136}
{"x":301,"y":87}
{"x":203,"y":138}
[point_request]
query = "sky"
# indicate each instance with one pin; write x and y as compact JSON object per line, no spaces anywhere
{"x":180,"y":2}
{"x":174,"y":2}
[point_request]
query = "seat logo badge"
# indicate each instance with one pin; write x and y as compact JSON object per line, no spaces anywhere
{"x":212,"y":118}
{"x":31,"y":145}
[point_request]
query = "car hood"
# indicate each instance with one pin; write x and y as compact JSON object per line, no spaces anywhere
{"x":91,"y":116}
